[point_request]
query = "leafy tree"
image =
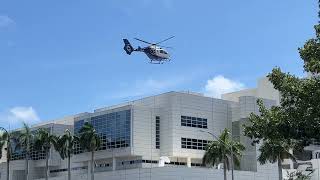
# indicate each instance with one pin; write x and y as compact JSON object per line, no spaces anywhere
{"x":65,"y":147}
{"x":5,"y":144}
{"x":43,"y":142}
{"x":90,"y":141}
{"x":297,"y":119}
{"x":266,"y":125}
{"x":300,"y":97}
{"x":266,"y":128}
{"x":25,"y":139}
{"x":219,"y":151}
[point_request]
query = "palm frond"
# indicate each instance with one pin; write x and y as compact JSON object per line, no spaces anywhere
{"x":219,"y":151}
{"x":273,"y":150}
{"x":89,"y":140}
{"x":65,"y":144}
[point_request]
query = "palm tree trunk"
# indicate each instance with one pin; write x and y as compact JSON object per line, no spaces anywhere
{"x":69,"y":167}
{"x":47,"y":165}
{"x":8,"y":166}
{"x":280,"y":168}
{"x":8,"y":160}
{"x":224,"y":170}
{"x":92,"y":165}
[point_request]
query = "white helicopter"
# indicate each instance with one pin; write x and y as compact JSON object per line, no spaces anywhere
{"x":156,"y":54}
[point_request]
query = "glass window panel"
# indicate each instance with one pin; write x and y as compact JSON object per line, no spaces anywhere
{"x":113,"y":127}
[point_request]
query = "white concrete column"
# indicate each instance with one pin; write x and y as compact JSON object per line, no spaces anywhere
{"x":114,"y":163}
{"x":189,"y":162}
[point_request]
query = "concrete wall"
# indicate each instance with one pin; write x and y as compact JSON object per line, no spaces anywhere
{"x":265,"y":90}
{"x":234,"y":96}
{"x":143,"y":140}
{"x":248,"y":105}
{"x":172,"y":174}
{"x":170,"y":107}
{"x":216,"y":111}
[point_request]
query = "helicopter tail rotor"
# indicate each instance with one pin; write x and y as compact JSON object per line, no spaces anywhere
{"x":127,"y":46}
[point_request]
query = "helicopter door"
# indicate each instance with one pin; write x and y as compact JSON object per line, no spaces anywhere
{"x":153,"y":51}
{"x":162,"y":53}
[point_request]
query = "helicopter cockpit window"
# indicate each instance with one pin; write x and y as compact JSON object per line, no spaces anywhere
{"x":162,"y":51}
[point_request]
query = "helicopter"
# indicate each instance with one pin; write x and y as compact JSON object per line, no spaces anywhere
{"x":154,"y":51}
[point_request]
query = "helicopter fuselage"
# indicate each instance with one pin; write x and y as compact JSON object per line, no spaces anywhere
{"x":155,"y":52}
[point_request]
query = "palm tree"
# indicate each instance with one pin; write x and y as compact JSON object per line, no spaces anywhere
{"x":275,"y":151}
{"x":25,"y":140}
{"x":65,"y":146}
{"x":5,"y":143}
{"x":43,"y":142}
{"x":90,"y":141}
{"x":219,"y":151}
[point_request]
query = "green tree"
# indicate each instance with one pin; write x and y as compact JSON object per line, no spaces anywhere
{"x":219,"y":151}
{"x":300,"y":97}
{"x":275,"y":151}
{"x":298,"y":117}
{"x":266,"y":125}
{"x":265,"y":128}
{"x":299,"y":175}
{"x":43,"y":141}
{"x":65,"y":147}
{"x":90,"y":141}
{"x":5,"y":144}
{"x":25,"y":140}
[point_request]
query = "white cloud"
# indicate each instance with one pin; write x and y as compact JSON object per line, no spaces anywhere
{"x":6,"y":21}
{"x":16,"y":115}
{"x":219,"y":85}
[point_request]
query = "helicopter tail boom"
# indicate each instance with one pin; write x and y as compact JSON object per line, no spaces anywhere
{"x":127,"y":46}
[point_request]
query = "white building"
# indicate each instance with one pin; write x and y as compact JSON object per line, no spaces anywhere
{"x":137,"y":134}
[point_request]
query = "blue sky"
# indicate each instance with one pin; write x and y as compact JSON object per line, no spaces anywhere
{"x":59,"y":58}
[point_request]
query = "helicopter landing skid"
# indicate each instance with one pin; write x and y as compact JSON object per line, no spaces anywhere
{"x":159,"y":62}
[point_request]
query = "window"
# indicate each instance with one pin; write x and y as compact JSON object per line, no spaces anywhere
{"x":19,"y":153}
{"x":113,"y":128}
{"x":177,"y":163}
{"x":102,"y":165}
{"x":197,"y":164}
{"x":194,"y":122}
{"x":149,"y":161}
{"x":157,"y":132}
{"x":199,"y":144}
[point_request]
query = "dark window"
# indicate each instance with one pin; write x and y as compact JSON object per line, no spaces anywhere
{"x":188,"y":143}
{"x":162,"y":51}
{"x":194,"y":122}
{"x":157,"y":132}
{"x":114,"y":129}
{"x":19,"y":153}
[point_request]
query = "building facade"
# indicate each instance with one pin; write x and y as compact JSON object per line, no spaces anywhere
{"x":154,"y":138}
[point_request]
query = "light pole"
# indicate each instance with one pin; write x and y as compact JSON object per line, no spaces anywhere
{"x":227,"y":146}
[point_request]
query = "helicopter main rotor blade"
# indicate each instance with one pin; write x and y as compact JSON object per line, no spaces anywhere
{"x":143,"y":41}
{"x":168,"y":47}
{"x":164,"y":40}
